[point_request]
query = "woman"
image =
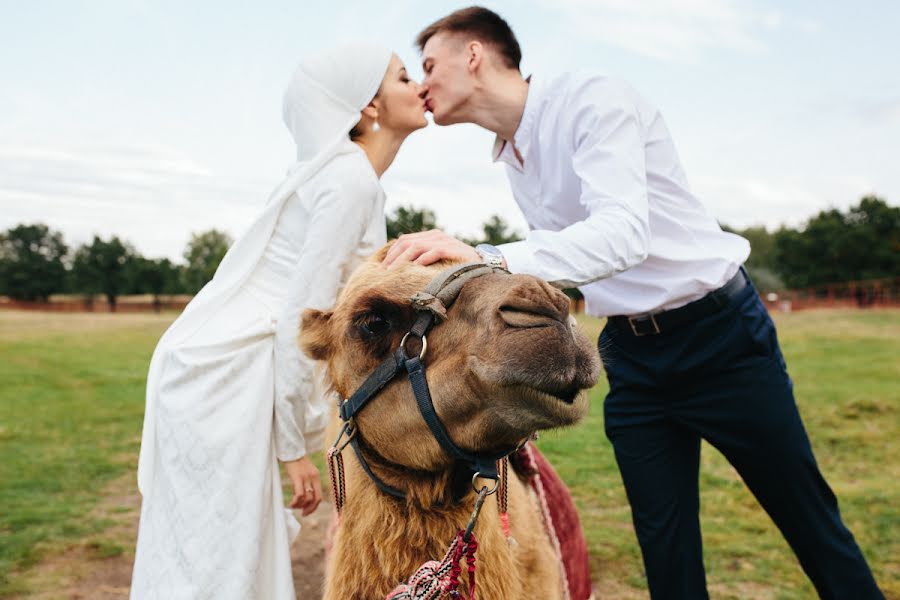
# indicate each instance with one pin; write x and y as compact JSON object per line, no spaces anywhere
{"x":228,"y":390}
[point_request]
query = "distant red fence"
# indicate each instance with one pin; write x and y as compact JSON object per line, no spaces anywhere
{"x":870,"y":293}
{"x":124,"y":304}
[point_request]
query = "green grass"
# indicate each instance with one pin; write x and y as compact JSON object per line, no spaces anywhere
{"x":71,"y":406}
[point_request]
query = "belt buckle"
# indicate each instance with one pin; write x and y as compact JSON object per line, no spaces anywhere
{"x":643,"y":319}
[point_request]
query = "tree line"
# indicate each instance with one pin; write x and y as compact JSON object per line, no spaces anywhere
{"x":36,"y":262}
{"x":831,"y":247}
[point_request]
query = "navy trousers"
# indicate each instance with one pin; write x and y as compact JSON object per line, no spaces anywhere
{"x":721,"y":378}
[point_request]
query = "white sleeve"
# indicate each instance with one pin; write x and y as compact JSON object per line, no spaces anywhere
{"x":338,"y":220}
{"x":608,"y":159}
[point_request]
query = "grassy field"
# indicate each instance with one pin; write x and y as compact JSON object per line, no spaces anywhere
{"x":71,"y":403}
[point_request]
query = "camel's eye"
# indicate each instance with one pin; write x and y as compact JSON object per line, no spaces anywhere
{"x":372,"y":325}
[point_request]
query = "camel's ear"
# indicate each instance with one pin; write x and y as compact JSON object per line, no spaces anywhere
{"x":315,"y":334}
{"x":382,"y":252}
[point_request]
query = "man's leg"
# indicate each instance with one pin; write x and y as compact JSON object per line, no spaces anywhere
{"x":659,"y":462}
{"x":748,"y":412}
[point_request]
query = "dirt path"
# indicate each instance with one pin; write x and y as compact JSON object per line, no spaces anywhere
{"x":87,"y":571}
{"x":99,"y":568}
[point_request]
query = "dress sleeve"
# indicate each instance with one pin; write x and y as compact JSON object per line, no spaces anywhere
{"x":607,"y":144}
{"x":338,"y":218}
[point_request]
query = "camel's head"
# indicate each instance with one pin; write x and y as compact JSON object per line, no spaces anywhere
{"x":506,"y":362}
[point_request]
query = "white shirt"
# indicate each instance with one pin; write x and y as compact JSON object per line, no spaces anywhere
{"x":608,"y":203}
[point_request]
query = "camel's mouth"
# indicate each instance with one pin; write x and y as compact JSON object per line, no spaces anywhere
{"x":549,"y":408}
{"x":558,"y":374}
{"x":563,"y":399}
{"x":567,"y":396}
{"x":552,"y":393}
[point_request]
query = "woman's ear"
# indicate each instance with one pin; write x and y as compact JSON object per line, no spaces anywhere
{"x":371,"y":111}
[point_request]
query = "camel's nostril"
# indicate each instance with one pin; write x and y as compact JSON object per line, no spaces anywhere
{"x":527,"y":301}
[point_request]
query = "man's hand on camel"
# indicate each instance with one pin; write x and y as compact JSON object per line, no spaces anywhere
{"x":304,"y":478}
{"x":427,"y":247}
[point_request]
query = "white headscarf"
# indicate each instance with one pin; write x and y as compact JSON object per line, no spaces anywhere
{"x":321,"y":105}
{"x":327,"y":93}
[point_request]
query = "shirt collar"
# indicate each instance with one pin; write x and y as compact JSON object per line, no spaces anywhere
{"x":503,"y":151}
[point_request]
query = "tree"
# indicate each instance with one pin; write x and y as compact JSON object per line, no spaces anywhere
{"x":835,"y":247}
{"x":31,"y":262}
{"x":103,"y":267}
{"x":761,"y":263}
{"x":495,"y":231}
{"x":408,"y":219}
{"x":203,"y":254}
{"x":154,"y":276}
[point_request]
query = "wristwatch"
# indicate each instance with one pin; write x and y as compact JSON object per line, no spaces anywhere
{"x":490,"y":255}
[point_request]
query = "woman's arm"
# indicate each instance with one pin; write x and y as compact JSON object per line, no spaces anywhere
{"x":338,"y":219}
{"x":337,"y":223}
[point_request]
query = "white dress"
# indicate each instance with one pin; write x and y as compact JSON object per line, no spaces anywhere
{"x":237,"y":393}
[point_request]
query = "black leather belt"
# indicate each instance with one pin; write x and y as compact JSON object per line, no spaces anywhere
{"x":656,"y":323}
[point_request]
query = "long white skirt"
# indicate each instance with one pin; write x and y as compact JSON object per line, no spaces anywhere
{"x":213,"y":523}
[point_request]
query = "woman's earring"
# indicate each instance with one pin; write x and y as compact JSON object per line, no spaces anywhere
{"x":375,"y":126}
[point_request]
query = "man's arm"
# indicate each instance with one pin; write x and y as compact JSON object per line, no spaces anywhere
{"x":608,"y":158}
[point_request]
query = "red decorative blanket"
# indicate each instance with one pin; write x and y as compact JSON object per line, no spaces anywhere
{"x":560,"y":518}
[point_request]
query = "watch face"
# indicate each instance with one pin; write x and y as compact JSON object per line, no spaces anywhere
{"x":491,"y":255}
{"x":489,"y":250}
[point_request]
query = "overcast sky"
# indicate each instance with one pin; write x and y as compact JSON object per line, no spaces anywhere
{"x":152,"y":119}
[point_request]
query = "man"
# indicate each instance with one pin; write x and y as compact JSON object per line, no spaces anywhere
{"x":689,"y":349}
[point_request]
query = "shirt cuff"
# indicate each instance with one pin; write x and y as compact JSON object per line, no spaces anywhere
{"x":519,"y":258}
{"x":288,"y":448}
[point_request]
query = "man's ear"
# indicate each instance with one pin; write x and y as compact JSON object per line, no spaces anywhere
{"x":315,"y":334}
{"x":475,"y":54}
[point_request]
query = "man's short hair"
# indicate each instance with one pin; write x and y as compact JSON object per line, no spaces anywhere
{"x":482,"y":24}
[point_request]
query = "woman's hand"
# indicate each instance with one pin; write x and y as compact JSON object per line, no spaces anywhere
{"x":307,"y":488}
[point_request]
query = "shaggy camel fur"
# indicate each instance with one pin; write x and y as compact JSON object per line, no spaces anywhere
{"x":507,"y":362}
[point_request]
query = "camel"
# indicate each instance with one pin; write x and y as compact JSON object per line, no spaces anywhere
{"x":505,"y":363}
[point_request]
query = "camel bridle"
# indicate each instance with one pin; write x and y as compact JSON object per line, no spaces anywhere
{"x":431,"y":306}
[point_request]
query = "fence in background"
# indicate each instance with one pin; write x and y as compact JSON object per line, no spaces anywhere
{"x":871,"y":293}
{"x":124,"y":304}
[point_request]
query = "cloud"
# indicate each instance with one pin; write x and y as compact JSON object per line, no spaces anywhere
{"x":880,"y":112}
{"x":667,"y":31}
{"x":675,"y":31}
{"x":776,"y":201}
{"x":150,"y":197}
